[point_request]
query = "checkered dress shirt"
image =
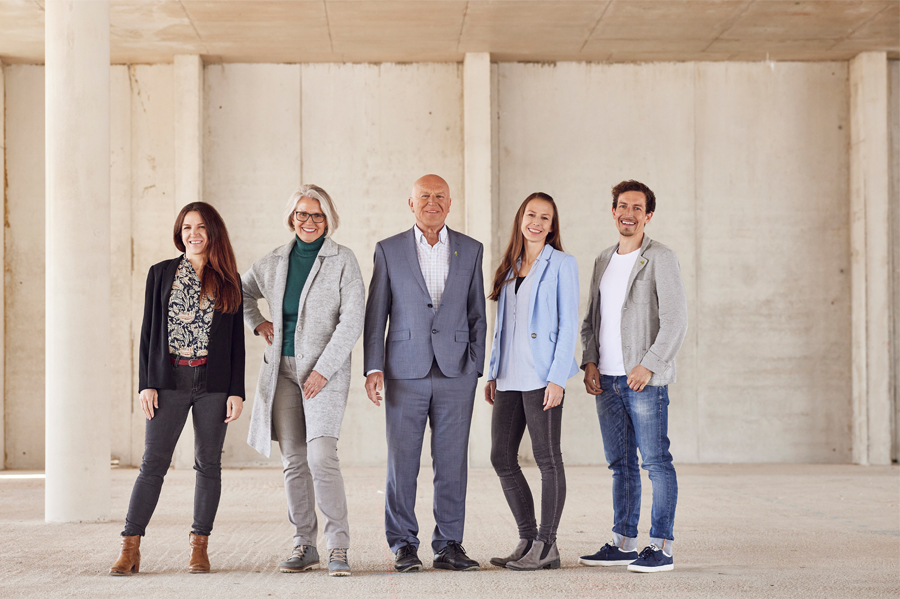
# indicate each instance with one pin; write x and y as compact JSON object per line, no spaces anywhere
{"x":434,"y":262}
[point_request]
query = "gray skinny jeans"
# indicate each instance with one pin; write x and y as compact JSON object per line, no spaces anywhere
{"x":513,"y":410}
{"x":312,"y":470}
{"x":162,"y":433}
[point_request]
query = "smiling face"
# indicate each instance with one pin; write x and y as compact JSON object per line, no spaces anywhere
{"x":430,"y":202}
{"x":631,"y":213}
{"x":194,"y":235}
{"x":309,"y":230}
{"x":537,"y":221}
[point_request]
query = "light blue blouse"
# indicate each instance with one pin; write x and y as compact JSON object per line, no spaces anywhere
{"x":517,"y":372}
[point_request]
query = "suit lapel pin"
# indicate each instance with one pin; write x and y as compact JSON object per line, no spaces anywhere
{"x":454,"y":253}
{"x":642,"y":262}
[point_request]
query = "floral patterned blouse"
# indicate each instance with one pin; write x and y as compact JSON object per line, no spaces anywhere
{"x":189,"y":314}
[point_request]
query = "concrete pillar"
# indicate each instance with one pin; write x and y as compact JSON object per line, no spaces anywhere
{"x":77,"y":277}
{"x":894,"y":120}
{"x":870,"y":260}
{"x":481,"y":213}
{"x":188,"y":80}
{"x":188,"y":118}
{"x":2,"y":261}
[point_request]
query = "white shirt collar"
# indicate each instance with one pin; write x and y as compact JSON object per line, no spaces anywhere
{"x":420,"y":236}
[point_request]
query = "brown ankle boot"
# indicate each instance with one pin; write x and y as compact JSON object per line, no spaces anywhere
{"x":130,"y":559}
{"x":199,"y":557}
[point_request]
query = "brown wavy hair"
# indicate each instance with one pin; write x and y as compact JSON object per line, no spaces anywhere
{"x":515,"y":249}
{"x":219,"y":279}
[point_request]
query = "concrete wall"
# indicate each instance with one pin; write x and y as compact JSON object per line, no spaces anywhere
{"x":751,"y":172}
{"x":24,"y":266}
{"x":749,"y":164}
{"x":364,"y":133}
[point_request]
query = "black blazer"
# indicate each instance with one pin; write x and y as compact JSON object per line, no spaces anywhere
{"x":225,"y":365}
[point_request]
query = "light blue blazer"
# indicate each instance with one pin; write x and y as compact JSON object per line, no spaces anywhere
{"x":553,"y":323}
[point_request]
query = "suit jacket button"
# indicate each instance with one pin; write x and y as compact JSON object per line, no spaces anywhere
{"x":434,"y":331}
{"x":430,"y":306}
{"x":534,"y":335}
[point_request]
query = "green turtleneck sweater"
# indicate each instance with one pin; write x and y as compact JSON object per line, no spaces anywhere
{"x":302,"y":257}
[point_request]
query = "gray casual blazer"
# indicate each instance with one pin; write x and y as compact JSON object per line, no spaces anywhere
{"x":329,"y":322}
{"x":453,"y":335}
{"x":654,"y":315}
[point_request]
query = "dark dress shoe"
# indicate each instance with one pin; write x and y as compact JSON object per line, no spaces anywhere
{"x":407,"y":560}
{"x":453,"y":557}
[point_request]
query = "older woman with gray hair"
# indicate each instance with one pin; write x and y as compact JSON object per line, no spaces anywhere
{"x":316,"y":296}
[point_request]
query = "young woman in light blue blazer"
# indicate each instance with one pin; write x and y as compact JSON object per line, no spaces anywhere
{"x":536,"y":290}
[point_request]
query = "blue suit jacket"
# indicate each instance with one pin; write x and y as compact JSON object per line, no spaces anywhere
{"x":553,"y":321}
{"x":454,"y":334}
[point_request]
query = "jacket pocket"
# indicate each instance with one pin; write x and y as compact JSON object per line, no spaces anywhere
{"x":642,"y":292}
{"x":401,"y":335}
{"x":462,"y":336}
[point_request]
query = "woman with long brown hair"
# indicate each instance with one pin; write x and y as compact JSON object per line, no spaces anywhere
{"x":191,"y":359}
{"x":533,"y":354}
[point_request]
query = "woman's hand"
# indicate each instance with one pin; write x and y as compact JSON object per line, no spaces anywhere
{"x":234,"y":405}
{"x":553,"y":395}
{"x":267,"y":332}
{"x":149,"y":399}
{"x":313,"y":384}
{"x":490,"y":392}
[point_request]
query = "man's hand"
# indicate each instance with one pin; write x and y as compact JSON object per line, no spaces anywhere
{"x":314,"y":383}
{"x":374,"y":385}
{"x":639,"y":378}
{"x":592,"y":379}
{"x":553,"y":395}
{"x":266,"y":331}
{"x":490,"y":392}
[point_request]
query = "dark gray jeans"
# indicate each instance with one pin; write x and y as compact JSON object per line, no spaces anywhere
{"x":160,"y":437}
{"x":513,"y":410}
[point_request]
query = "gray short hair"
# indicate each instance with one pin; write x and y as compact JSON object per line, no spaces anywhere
{"x":313,"y":192}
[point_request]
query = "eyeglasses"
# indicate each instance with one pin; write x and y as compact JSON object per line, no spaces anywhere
{"x":317,"y":217}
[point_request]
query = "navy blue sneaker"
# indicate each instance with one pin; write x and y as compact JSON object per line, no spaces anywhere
{"x":652,"y":559}
{"x":609,"y":555}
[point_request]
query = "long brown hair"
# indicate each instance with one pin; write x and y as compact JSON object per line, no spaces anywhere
{"x":219,"y":279}
{"x":515,"y":249}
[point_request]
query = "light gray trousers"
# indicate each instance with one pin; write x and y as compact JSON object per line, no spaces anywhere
{"x":312,"y":471}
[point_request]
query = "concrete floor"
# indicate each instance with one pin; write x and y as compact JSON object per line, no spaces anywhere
{"x":741,"y":530}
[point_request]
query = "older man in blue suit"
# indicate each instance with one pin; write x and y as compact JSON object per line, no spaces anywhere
{"x":428,"y":283}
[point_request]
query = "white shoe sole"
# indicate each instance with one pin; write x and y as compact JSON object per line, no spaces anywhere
{"x":593,"y":562}
{"x":297,"y":570}
{"x":665,"y":568}
{"x":339,"y":573}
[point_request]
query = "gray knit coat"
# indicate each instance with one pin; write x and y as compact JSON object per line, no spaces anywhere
{"x":330,"y":320}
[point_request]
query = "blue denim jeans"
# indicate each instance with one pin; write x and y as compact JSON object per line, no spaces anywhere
{"x":632,"y":421}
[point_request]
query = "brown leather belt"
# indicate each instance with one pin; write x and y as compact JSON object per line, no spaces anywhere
{"x":183,"y":362}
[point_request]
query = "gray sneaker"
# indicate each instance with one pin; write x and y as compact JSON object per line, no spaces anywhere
{"x":338,"y":565}
{"x":303,"y":557}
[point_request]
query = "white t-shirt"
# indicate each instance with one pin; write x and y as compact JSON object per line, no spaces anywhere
{"x":613,"y":285}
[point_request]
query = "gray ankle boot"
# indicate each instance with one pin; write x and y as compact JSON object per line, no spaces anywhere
{"x":532,"y":560}
{"x":517,"y":553}
{"x":303,"y":557}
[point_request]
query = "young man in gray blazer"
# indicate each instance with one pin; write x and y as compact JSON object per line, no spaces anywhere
{"x":635,"y":324}
{"x":428,"y":282}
